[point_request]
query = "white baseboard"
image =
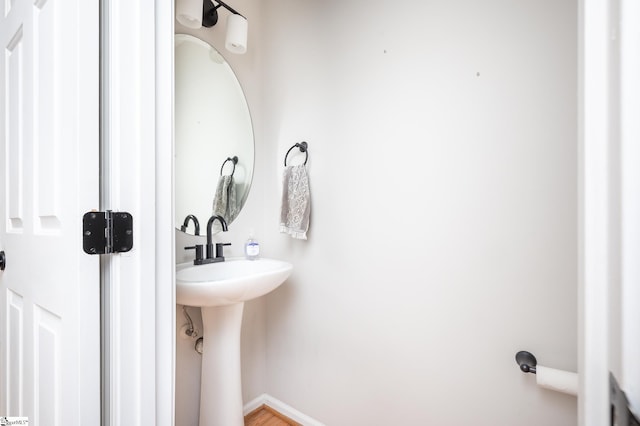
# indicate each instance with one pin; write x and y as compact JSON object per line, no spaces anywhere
{"x":281,"y":408}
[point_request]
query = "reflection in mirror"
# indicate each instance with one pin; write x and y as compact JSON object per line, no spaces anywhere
{"x":214,"y":149}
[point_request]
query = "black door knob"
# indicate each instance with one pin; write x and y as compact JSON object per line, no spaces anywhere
{"x":3,"y":261}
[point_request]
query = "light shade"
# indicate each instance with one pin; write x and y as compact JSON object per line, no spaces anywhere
{"x":237,"y":28}
{"x":189,"y":13}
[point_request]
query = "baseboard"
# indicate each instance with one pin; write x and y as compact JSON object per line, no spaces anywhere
{"x":281,"y":408}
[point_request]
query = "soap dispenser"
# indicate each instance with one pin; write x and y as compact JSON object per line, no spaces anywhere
{"x":251,"y":248}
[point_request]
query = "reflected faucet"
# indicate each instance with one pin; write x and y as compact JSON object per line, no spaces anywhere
{"x":210,"y":258}
{"x":196,"y":224}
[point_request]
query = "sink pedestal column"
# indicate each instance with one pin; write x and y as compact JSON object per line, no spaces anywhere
{"x":221,"y":383}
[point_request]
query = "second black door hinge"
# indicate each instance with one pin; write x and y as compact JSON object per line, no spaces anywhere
{"x":107,"y":232}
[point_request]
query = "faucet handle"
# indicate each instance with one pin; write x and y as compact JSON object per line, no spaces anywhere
{"x":198,"y":249}
{"x":219,"y":250}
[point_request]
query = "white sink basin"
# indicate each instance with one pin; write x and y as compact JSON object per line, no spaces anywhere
{"x":232,"y":281}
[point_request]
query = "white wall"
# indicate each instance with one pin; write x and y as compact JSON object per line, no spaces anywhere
{"x":443,"y":152}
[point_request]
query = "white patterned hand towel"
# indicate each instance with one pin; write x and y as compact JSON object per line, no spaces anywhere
{"x":224,"y":200}
{"x":296,"y":202}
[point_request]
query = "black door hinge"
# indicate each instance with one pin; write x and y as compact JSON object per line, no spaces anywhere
{"x":107,"y":232}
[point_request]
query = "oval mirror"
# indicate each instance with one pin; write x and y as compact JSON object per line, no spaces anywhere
{"x":212,"y":130}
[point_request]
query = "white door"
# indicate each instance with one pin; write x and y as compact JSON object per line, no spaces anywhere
{"x":49,"y":291}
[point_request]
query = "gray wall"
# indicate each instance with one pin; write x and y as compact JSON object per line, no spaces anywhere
{"x":443,"y":164}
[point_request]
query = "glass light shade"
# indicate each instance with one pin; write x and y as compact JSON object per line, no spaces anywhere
{"x":189,"y":13}
{"x":237,"y":28}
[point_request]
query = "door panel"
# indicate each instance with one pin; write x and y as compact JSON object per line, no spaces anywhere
{"x":15,"y":394}
{"x":49,"y":291}
{"x":47,"y":345}
{"x":14,"y":102}
{"x":46,"y":116}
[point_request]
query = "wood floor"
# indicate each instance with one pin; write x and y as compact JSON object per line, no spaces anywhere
{"x":266,"y":416}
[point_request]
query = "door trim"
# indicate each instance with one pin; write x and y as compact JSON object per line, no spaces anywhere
{"x":137,"y":139}
{"x":630,"y":199}
{"x":165,"y":227}
{"x":609,"y":283}
{"x":593,"y":213}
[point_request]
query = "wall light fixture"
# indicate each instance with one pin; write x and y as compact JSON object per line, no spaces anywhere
{"x":198,"y":13}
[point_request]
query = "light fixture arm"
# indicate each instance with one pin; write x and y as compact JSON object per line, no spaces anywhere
{"x":229,"y":8}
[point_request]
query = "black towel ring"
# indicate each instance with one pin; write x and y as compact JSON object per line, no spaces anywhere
{"x":303,"y":148}
{"x":233,"y":160}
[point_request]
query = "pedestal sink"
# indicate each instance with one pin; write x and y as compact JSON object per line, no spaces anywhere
{"x":221,"y":289}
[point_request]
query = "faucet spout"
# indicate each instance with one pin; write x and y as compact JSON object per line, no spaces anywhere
{"x":196,"y":224}
{"x":223,"y":223}
{"x":212,"y":219}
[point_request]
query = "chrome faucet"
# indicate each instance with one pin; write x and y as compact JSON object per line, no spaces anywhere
{"x":196,"y":224}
